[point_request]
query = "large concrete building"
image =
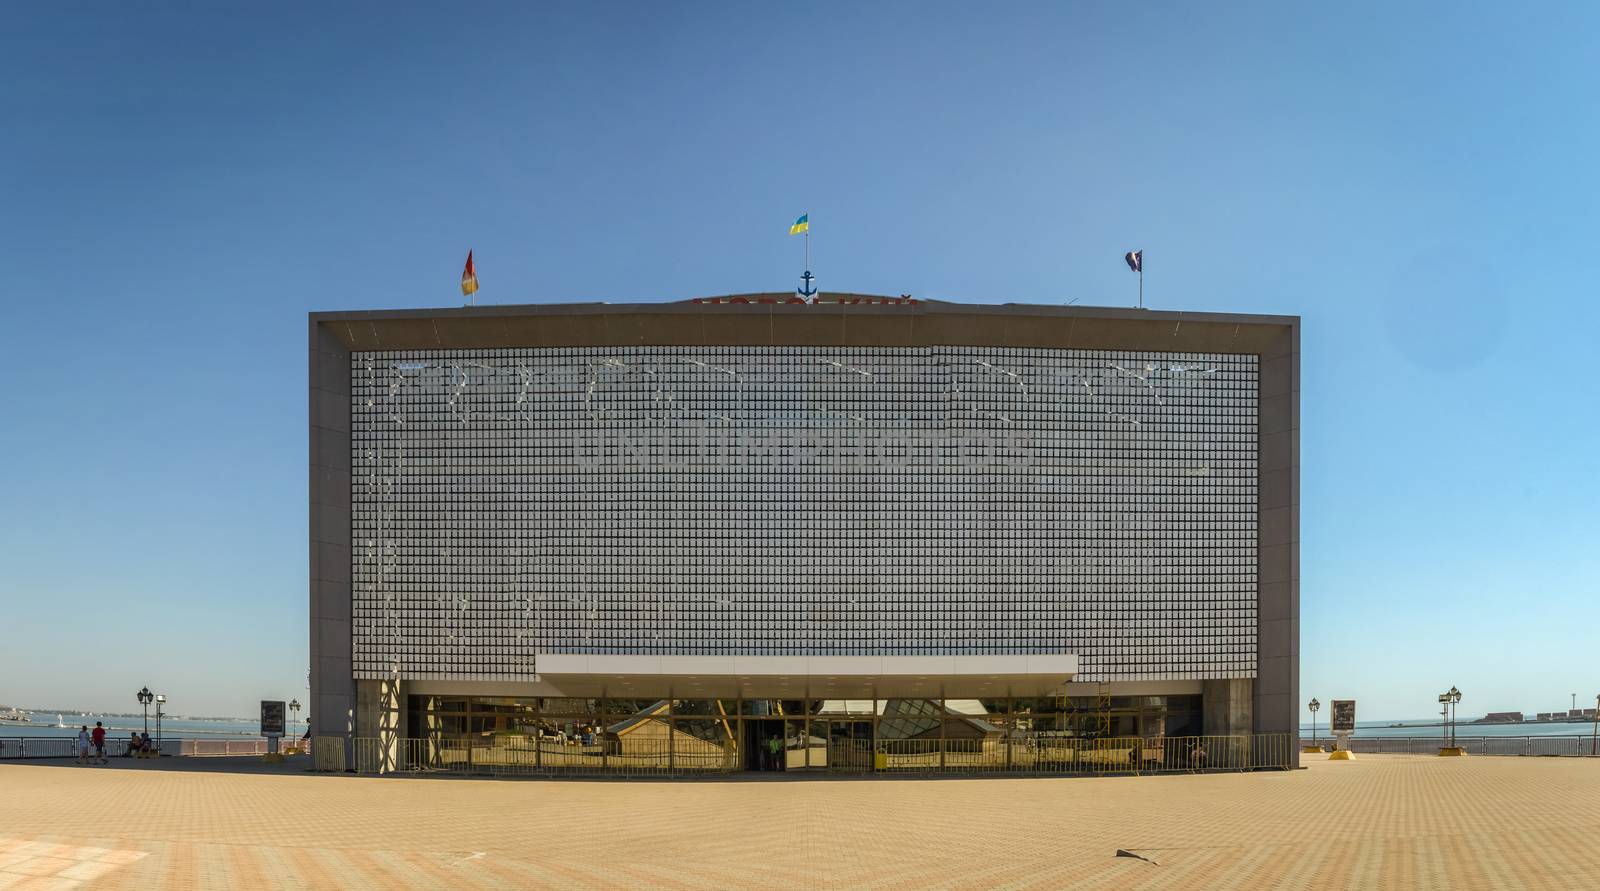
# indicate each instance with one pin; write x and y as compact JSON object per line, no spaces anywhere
{"x":854,"y":524}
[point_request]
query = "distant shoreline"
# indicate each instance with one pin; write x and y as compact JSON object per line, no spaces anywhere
{"x":1476,"y":722}
{"x":40,"y":717}
{"x":45,"y":730}
{"x":1481,"y":722}
{"x":111,"y":728}
{"x":119,"y":725}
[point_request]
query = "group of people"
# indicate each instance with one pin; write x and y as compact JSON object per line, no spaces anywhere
{"x":576,"y":734}
{"x":91,"y":744}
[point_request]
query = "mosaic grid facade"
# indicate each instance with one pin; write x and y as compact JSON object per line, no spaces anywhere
{"x":803,"y":500}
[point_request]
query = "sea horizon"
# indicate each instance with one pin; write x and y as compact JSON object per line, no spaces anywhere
{"x":44,"y":724}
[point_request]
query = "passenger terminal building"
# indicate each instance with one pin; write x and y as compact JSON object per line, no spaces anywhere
{"x":848,"y":533}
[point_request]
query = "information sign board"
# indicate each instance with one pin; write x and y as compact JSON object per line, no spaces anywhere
{"x":272,"y":717}
{"x":1342,"y":713}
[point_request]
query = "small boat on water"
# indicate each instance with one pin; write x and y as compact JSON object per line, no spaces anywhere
{"x":14,"y":717}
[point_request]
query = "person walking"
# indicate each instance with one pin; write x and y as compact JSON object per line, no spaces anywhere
{"x":98,"y":736}
{"x":83,"y":744}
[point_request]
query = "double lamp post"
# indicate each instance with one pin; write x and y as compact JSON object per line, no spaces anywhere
{"x":1447,"y":710}
{"x":145,"y":698}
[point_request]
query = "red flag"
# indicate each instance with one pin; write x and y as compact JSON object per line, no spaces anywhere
{"x":469,"y":278}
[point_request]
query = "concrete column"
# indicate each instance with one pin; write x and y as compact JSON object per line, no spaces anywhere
{"x":380,"y":715}
{"x":1277,"y":688}
{"x":1226,"y":707}
{"x":331,"y":709}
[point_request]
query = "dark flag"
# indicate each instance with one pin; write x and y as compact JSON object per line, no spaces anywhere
{"x":1135,"y":260}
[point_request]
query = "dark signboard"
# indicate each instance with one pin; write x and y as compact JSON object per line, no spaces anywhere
{"x":1343,"y":715}
{"x":272,"y":717}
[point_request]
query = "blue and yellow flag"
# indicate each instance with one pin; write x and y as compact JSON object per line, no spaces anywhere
{"x":801,"y":225}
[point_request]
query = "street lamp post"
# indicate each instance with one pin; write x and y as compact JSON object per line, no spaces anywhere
{"x":1314,"y":705}
{"x":1455,"y":697}
{"x":1594,"y":737}
{"x":294,"y":714}
{"x":145,"y":698}
{"x":1447,"y":710}
{"x":161,"y":700}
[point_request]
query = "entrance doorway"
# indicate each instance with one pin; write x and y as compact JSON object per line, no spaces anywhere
{"x":765,"y":745}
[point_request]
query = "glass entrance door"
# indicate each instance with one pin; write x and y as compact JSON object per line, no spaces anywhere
{"x":801,"y":750}
{"x":764,"y":746}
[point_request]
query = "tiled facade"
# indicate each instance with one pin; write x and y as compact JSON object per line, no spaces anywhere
{"x":815,"y":500}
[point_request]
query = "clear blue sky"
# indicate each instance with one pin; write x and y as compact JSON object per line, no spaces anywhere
{"x":180,"y":185}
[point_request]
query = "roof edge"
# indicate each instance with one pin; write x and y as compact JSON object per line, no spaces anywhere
{"x":778,"y":302}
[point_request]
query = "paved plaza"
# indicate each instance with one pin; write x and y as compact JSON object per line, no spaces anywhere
{"x":1395,"y":821}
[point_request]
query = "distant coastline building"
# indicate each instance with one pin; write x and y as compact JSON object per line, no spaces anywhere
{"x":861,"y":525}
{"x":1503,"y":718}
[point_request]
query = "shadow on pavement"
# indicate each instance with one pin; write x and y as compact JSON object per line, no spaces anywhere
{"x":247,"y":764}
{"x":301,"y":765}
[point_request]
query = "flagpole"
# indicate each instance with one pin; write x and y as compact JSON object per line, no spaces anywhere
{"x":1141,"y":281}
{"x":805,"y":290}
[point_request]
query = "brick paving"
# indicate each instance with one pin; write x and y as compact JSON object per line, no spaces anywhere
{"x":1384,"y":821}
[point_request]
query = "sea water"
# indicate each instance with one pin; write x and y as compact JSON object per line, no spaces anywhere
{"x":119,"y":727}
{"x":1381,"y":729}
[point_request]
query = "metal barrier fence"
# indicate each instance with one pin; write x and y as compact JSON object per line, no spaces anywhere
{"x":1068,"y":755}
{"x":526,"y":756}
{"x":327,"y":753}
{"x":1549,"y":746}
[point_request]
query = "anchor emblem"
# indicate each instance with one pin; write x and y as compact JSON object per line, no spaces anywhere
{"x":805,"y":289}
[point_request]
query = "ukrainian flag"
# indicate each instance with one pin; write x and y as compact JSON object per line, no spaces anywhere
{"x":801,"y":225}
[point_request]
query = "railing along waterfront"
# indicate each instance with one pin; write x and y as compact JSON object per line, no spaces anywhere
{"x":1537,"y":746}
{"x":526,"y":756}
{"x":230,"y":746}
{"x":20,"y":747}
